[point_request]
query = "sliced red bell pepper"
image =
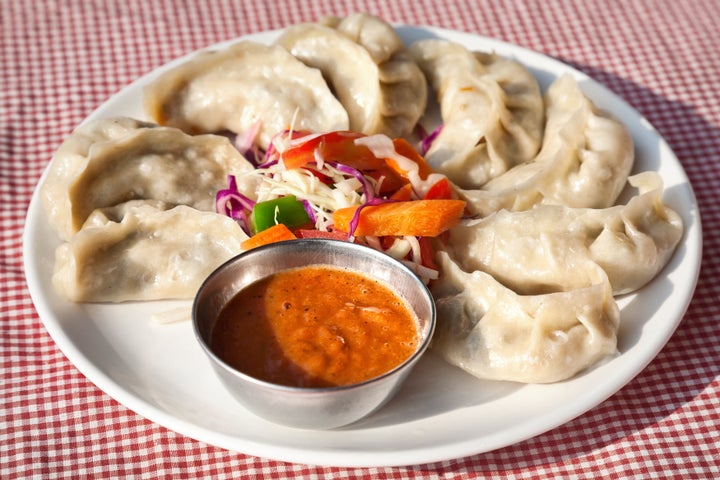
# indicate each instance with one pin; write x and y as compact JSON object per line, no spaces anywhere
{"x":340,"y":147}
{"x":427,"y":253}
{"x":439,"y":190}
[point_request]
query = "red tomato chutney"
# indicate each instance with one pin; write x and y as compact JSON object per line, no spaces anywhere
{"x":315,"y":326}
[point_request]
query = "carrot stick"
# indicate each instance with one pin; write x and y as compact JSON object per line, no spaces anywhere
{"x":276,"y":233}
{"x":403,"y":193}
{"x":404,"y":148}
{"x":424,"y":218}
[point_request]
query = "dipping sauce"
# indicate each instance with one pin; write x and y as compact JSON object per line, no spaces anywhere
{"x":315,"y":326}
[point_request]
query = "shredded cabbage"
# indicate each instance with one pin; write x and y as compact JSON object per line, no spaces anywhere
{"x":428,"y":139}
{"x":324,"y":186}
{"x":234,"y":204}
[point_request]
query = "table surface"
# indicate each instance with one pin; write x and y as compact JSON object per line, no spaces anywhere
{"x":60,"y":60}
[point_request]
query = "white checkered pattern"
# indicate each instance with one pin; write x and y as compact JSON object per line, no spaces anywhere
{"x":60,"y":60}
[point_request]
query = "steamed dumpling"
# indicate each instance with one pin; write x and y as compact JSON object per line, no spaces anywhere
{"x":491,"y":109}
{"x":146,"y":162}
{"x":584,"y":162}
{"x":374,"y":34}
{"x":403,"y":86}
{"x":70,"y":159}
{"x":638,"y":239}
{"x":242,"y":86}
{"x":346,"y":65}
{"x":557,"y":248}
{"x":365,"y":62}
{"x":493,"y":333}
{"x":144,"y":250}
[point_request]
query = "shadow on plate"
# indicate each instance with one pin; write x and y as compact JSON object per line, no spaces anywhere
{"x":424,"y":394}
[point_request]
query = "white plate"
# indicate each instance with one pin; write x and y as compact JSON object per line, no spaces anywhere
{"x":441,"y":413}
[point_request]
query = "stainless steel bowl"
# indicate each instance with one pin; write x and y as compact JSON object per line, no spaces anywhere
{"x":313,"y":408}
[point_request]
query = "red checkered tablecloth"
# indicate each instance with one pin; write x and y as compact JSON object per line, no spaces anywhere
{"x":59,"y":60}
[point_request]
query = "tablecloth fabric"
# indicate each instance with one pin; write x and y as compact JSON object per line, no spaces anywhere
{"x":59,"y":60}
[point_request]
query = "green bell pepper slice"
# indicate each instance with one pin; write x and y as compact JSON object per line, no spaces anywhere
{"x":288,"y":210}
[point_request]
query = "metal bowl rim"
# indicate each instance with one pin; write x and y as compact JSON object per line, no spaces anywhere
{"x":318,"y":244}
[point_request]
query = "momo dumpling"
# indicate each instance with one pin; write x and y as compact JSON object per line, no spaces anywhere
{"x":493,"y":333}
{"x":557,"y":248}
{"x":585,"y":159}
{"x":491,"y":108}
{"x":347,"y":66}
{"x":638,"y":239}
{"x":158,"y":163}
{"x":241,"y":87}
{"x":71,"y":158}
{"x":365,"y":62}
{"x":377,"y":36}
{"x":144,"y":250}
{"x":403,"y":86}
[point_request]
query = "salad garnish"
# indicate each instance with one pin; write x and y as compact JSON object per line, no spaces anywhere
{"x":345,"y":185}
